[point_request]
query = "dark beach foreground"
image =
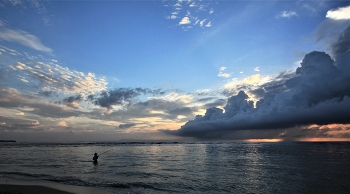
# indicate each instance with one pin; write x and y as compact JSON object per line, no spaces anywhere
{"x":12,"y":186}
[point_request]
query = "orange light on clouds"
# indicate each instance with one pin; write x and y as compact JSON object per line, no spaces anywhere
{"x":334,"y":132}
{"x":330,"y":126}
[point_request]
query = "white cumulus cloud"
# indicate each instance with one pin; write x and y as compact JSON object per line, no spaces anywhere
{"x":342,"y":13}
{"x":185,"y":20}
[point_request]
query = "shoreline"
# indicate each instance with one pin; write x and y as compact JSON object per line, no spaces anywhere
{"x":14,"y":186}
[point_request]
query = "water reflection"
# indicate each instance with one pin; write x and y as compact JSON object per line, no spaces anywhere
{"x":183,"y":168}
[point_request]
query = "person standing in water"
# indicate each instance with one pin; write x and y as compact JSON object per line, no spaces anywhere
{"x":95,"y":158}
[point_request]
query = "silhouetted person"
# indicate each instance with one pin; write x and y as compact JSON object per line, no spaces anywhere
{"x":95,"y":158}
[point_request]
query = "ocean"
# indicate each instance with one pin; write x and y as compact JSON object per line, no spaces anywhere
{"x":284,"y":167}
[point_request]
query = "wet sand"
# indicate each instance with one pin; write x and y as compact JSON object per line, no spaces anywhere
{"x":12,"y":186}
{"x":28,"y":189}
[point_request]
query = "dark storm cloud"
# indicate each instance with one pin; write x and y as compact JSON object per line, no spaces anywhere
{"x":318,"y":94}
{"x":227,"y":93}
{"x":121,"y":96}
{"x":275,"y":86}
{"x":217,"y":102}
{"x":278,"y":84}
{"x":211,"y":102}
{"x":342,"y":44}
{"x":342,"y":62}
{"x":258,"y":93}
{"x":329,"y":29}
{"x":328,"y":33}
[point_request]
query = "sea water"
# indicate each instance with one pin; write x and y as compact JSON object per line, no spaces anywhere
{"x":287,"y":167}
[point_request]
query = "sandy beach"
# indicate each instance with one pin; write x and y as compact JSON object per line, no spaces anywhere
{"x":12,"y":186}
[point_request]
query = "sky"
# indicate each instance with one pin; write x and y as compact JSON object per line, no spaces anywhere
{"x":167,"y":70}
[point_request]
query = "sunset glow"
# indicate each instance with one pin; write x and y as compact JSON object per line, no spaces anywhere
{"x":181,"y":69}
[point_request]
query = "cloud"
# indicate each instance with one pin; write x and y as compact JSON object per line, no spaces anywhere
{"x":318,"y":94}
{"x":49,"y":77}
{"x":24,"y":80}
{"x":342,"y":43}
{"x":45,"y":93}
{"x":169,"y":110}
{"x":193,"y":4}
{"x":12,"y":98}
{"x":256,"y":69}
{"x":342,"y":13}
{"x":211,"y":11}
{"x":37,"y":5}
{"x":254,"y":79}
{"x":10,"y":51}
{"x":190,"y":13}
{"x":126,"y":126}
{"x":21,"y":125}
{"x":20,"y":113}
{"x":208,"y":24}
{"x":222,"y":74}
{"x":181,"y":111}
{"x":62,"y":124}
{"x":73,"y":101}
{"x":249,"y":83}
{"x":287,"y":14}
{"x":35,"y":123}
{"x":121,"y":96}
{"x":201,"y":23}
{"x":213,"y":102}
{"x":225,"y":75}
{"x":276,"y":84}
{"x":335,"y":32}
{"x":15,"y":2}
{"x":175,"y":97}
{"x":23,"y":38}
{"x":185,"y":20}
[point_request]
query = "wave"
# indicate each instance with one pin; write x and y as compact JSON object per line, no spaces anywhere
{"x":78,"y":182}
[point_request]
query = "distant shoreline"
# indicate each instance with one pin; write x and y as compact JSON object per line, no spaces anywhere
{"x":7,"y":140}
